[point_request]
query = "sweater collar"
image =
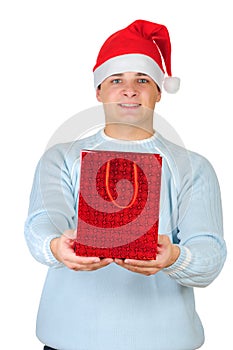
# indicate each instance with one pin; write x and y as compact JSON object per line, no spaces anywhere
{"x":150,"y":140}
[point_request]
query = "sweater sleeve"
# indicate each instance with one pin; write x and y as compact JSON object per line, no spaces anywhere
{"x":52,"y":205}
{"x":200,"y":229}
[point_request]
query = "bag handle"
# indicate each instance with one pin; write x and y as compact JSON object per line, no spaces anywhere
{"x":135,"y":182}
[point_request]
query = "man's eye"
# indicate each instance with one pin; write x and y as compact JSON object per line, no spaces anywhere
{"x":143,"y":80}
{"x":116,"y":81}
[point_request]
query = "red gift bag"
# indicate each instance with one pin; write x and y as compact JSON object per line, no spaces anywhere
{"x":118,"y":205}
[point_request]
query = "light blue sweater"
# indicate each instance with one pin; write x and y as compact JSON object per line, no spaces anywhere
{"x":113,"y":308}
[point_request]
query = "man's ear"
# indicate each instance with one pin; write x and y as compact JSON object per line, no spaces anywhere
{"x":98,"y":94}
{"x":159,"y":96}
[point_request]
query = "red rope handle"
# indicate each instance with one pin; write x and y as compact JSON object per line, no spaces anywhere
{"x":135,"y":182}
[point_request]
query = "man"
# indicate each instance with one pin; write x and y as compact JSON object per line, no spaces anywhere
{"x":92,"y":303}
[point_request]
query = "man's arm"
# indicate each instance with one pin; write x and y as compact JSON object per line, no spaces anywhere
{"x":200,"y":255}
{"x":49,"y":229}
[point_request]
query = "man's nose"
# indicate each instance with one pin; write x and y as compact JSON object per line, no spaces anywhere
{"x":130,"y":91}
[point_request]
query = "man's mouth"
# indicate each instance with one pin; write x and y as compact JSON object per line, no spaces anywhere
{"x":129,"y":105}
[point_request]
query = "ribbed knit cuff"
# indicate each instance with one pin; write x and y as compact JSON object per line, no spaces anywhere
{"x":48,"y":255}
{"x":181,"y":263}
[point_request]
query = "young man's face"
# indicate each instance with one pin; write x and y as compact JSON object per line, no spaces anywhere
{"x":128,"y":95}
{"x":129,"y":91}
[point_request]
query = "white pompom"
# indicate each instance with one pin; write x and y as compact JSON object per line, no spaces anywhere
{"x":171,"y":84}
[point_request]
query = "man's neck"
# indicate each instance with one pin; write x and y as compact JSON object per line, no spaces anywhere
{"x":127,"y":132}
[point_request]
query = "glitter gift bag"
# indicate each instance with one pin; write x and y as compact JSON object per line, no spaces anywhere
{"x":118,"y":205}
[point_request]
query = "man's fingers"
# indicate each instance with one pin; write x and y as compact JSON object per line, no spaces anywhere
{"x":90,"y":266}
{"x":83,"y":260}
{"x":140,"y":263}
{"x":163,"y":239}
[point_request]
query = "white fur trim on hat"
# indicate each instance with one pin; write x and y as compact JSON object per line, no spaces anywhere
{"x":129,"y":63}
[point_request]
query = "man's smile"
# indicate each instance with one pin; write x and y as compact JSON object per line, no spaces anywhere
{"x":130,"y":105}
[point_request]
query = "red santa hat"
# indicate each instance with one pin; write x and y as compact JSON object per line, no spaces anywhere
{"x":143,"y":47}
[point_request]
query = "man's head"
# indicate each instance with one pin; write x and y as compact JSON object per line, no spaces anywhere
{"x":141,"y":47}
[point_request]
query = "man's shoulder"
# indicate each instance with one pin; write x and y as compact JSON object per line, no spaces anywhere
{"x":184,"y":164}
{"x":179,"y":152}
{"x":69,"y":150}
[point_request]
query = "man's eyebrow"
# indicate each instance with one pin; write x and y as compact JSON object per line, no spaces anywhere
{"x":138,"y":74}
{"x":116,"y":75}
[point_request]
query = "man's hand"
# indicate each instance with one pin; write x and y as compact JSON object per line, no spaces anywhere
{"x":167,"y":254}
{"x":62,"y":249}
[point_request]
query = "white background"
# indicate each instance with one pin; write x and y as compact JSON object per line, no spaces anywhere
{"x":48,"y":49}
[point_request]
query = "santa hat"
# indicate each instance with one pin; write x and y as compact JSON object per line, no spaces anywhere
{"x":142,"y":47}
